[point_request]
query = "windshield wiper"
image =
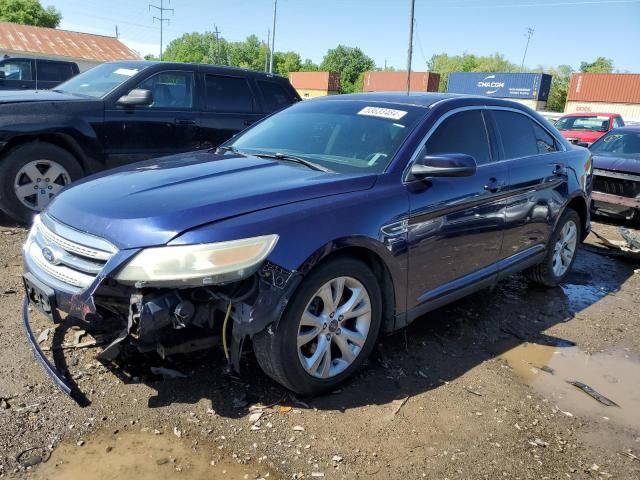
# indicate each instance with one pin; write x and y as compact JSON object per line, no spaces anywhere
{"x":292,"y":158}
{"x":227,"y":148}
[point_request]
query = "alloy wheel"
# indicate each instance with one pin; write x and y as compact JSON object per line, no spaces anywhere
{"x":565,"y":248}
{"x":38,"y":181}
{"x":334,"y":327}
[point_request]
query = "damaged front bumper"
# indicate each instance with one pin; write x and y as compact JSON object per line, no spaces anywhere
{"x":165,"y":320}
{"x":616,"y":193}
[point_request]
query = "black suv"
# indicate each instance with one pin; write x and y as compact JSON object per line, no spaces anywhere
{"x":34,"y":73}
{"x":118,"y":113}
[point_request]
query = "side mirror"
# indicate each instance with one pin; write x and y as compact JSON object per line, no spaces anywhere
{"x":582,"y":144}
{"x":444,"y":165}
{"x":137,"y":97}
{"x":2,"y":75}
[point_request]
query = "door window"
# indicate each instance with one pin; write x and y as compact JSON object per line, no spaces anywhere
{"x":545,"y":141}
{"x":275,"y":96}
{"x":170,"y":89}
{"x":517,"y":133}
{"x":228,"y":94}
{"x":53,"y":72}
{"x":463,"y":132}
{"x":17,"y":70}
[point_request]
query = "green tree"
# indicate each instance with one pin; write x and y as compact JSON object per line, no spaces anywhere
{"x":559,"y":87}
{"x":29,"y":12}
{"x":190,"y":47}
{"x":351,"y":63}
{"x":251,"y":53}
{"x":308,"y":66}
{"x":599,"y":65}
{"x":285,"y":62}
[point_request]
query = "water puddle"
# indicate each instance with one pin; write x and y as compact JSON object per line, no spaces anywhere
{"x":582,"y":296}
{"x":139,"y":455}
{"x":613,"y":375}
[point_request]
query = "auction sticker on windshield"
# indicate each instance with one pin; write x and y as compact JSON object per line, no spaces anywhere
{"x":129,"y":72}
{"x":389,"y":113}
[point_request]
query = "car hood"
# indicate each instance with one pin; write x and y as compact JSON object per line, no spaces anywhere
{"x":581,"y":135}
{"x":23,"y":96}
{"x":149,"y":203}
{"x":618,"y":164}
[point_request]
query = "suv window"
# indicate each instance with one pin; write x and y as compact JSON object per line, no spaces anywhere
{"x":617,"y":122}
{"x":53,"y":72}
{"x":170,"y":89}
{"x":275,"y":96}
{"x":516,"y":131}
{"x":228,"y":94}
{"x":17,"y":70}
{"x":462,"y":132}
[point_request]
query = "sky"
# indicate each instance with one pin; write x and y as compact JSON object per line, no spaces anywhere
{"x":565,"y":31}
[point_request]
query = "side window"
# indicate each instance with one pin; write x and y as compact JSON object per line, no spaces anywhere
{"x":17,"y":70}
{"x":170,"y":89}
{"x":53,"y":72}
{"x":228,"y":94}
{"x":545,"y":141}
{"x":516,"y":131}
{"x":462,"y":132}
{"x":617,"y":122}
{"x":274,"y":95}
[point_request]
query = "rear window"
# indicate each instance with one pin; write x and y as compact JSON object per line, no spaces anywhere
{"x":274,"y":96}
{"x":589,"y":123}
{"x":53,"y":72}
{"x":517,"y":134}
{"x":228,"y":94}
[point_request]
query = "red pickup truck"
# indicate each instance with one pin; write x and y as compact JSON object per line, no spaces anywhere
{"x":587,"y":127}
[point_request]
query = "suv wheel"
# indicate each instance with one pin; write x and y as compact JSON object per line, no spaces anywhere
{"x":561,"y":252}
{"x":31,"y":175}
{"x":328,"y":330}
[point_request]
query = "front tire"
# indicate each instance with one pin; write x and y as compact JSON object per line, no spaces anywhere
{"x":327,"y":331}
{"x":561,"y":252}
{"x":31,"y":175}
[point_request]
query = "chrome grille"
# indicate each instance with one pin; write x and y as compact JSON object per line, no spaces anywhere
{"x":63,"y":257}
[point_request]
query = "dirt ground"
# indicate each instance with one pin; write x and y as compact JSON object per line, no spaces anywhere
{"x":477,"y":389}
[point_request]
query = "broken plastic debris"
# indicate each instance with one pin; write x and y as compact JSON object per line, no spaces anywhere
{"x":592,"y":393}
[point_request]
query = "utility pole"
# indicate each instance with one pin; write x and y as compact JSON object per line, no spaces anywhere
{"x":273,"y":35}
{"x":412,"y":4}
{"x":117,"y":32}
{"x":216,"y":32}
{"x":161,"y":9}
{"x":267,"y":50}
{"x":529,"y":35}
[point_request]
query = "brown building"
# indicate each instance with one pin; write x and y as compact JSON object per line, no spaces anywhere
{"x":315,"y":84}
{"x":85,"y":49}
{"x":397,"y":82}
{"x":605,"y":93}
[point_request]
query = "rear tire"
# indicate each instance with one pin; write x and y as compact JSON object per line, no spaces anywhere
{"x":292,"y":353}
{"x":51,"y":167}
{"x":561,"y":251}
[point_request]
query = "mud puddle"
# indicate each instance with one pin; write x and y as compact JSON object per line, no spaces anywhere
{"x":143,"y":456}
{"x":613,"y":375}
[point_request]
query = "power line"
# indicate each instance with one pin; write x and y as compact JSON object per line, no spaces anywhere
{"x":538,"y":5}
{"x":161,"y":9}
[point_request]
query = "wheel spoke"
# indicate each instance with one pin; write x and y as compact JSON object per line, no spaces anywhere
{"x":325,"y":368}
{"x":54,"y":171}
{"x":345,"y":349}
{"x":31,"y":171}
{"x":308,"y":336}
{"x":313,"y":362}
{"x":338,"y":290}
{"x":310,"y":320}
{"x":347,"y":309}
{"x":353,"y":336}
{"x":327,"y":297}
{"x":24,"y":191}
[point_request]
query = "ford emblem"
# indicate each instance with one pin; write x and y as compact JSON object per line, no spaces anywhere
{"x":49,"y":256}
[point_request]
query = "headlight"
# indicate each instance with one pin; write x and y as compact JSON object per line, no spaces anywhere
{"x":202,"y":264}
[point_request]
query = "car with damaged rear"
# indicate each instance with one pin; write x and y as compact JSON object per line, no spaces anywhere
{"x":616,"y":184}
{"x":312,"y":233}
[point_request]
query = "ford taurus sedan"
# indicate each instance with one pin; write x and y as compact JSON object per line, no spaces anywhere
{"x":312,"y":232}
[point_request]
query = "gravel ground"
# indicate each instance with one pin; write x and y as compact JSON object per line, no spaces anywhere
{"x":477,"y":389}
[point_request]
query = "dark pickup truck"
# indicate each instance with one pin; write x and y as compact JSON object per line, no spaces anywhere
{"x":118,"y":113}
{"x":18,"y":73}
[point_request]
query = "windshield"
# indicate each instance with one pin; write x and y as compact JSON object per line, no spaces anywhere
{"x":340,"y":135}
{"x":100,"y":80}
{"x":587,"y":123}
{"x":618,"y":143}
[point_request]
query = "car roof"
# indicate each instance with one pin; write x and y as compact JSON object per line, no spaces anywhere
{"x":627,"y":128}
{"x":591,"y":114}
{"x":423,"y":99}
{"x":203,"y":66}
